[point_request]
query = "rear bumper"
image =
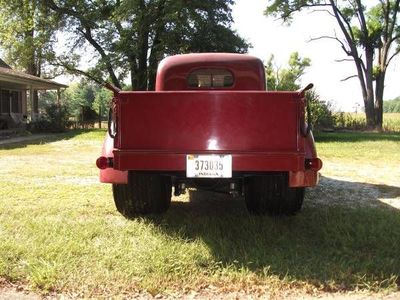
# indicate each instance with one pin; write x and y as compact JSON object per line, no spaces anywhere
{"x":293,"y":163}
{"x":255,"y":161}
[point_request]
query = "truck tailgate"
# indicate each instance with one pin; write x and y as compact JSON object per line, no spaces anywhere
{"x":215,"y":121}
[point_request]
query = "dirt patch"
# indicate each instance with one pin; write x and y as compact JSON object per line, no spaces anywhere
{"x":356,"y":185}
{"x":10,"y":294}
{"x":10,"y":291}
{"x":23,"y":139}
{"x":18,"y":293}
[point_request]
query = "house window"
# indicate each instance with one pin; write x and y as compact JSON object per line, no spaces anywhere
{"x":210,"y":78}
{"x":16,"y":102}
{"x":5,"y":102}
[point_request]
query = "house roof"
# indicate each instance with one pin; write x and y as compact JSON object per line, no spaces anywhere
{"x":3,"y":64}
{"x":10,"y":78}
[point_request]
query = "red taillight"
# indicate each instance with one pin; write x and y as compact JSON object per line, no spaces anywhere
{"x":314,"y":164}
{"x":104,"y":162}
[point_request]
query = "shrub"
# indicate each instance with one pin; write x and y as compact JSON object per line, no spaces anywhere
{"x":321,"y":112}
{"x":55,"y":119}
{"x":349,"y":121}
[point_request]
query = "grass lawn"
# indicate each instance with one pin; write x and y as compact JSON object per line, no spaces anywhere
{"x":60,"y":232}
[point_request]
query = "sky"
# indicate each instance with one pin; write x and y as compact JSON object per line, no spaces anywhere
{"x":269,"y":36}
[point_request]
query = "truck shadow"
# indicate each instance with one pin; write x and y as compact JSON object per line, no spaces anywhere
{"x":344,"y":238}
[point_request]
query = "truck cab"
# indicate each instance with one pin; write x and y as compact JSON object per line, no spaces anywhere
{"x":210,"y":124}
{"x":211,"y":71}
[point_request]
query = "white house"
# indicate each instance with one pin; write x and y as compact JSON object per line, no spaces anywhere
{"x":16,"y":96}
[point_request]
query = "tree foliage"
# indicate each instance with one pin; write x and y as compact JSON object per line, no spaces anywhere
{"x":54,"y":118}
{"x":129,"y":38}
{"x":289,"y":79}
{"x":87,"y":102}
{"x":370,"y":36}
{"x":79,"y":96}
{"x":392,"y":106}
{"x":27,"y":29}
{"x":102,"y":101}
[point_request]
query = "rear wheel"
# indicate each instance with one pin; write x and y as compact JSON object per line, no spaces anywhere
{"x":145,"y":193}
{"x":272,"y":194}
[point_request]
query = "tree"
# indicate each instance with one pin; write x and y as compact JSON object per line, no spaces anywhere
{"x":27,"y":29}
{"x":370,"y":36}
{"x":87,"y":101}
{"x":129,"y":38}
{"x":79,"y":98}
{"x":101,"y":102}
{"x":392,"y":106}
{"x":286,"y":79}
{"x":289,"y":79}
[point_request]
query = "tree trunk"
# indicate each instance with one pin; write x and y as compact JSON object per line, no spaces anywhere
{"x":369,"y":111}
{"x":100,"y":116}
{"x":133,"y":71}
{"x":153,"y":63}
{"x":379,"y":88}
{"x":156,"y":47}
{"x":370,"y":97}
{"x":143,"y":47}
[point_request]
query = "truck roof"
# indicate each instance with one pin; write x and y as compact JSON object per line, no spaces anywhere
{"x":247,"y":70}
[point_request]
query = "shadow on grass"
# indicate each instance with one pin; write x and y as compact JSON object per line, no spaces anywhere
{"x":358,"y":136}
{"x":53,"y":137}
{"x":329,"y":244}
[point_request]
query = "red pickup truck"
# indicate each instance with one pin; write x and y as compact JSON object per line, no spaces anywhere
{"x":210,"y":124}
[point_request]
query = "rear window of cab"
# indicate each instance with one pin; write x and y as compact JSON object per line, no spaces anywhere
{"x":210,"y":78}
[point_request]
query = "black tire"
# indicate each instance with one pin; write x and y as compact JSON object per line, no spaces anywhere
{"x":145,"y":193}
{"x":271,"y":194}
{"x":120,"y":194}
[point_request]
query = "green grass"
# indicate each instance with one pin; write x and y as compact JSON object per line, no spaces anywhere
{"x":370,"y":147}
{"x":60,"y":232}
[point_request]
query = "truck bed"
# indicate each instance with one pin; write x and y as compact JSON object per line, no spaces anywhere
{"x":261,"y":127}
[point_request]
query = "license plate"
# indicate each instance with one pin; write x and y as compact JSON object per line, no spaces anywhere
{"x":209,"y":166}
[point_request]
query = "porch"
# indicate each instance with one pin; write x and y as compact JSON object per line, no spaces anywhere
{"x":18,"y":103}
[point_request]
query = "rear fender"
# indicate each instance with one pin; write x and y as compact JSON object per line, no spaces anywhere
{"x":111,"y":175}
{"x":306,"y":178}
{"x":309,"y":146}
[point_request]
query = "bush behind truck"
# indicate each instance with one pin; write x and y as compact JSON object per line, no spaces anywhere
{"x":211,"y":125}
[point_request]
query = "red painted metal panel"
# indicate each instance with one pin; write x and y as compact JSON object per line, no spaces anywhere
{"x":214,"y":121}
{"x":146,"y":161}
{"x":111,"y":175}
{"x":261,"y":130}
{"x":248,"y":71}
{"x":303,"y":178}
